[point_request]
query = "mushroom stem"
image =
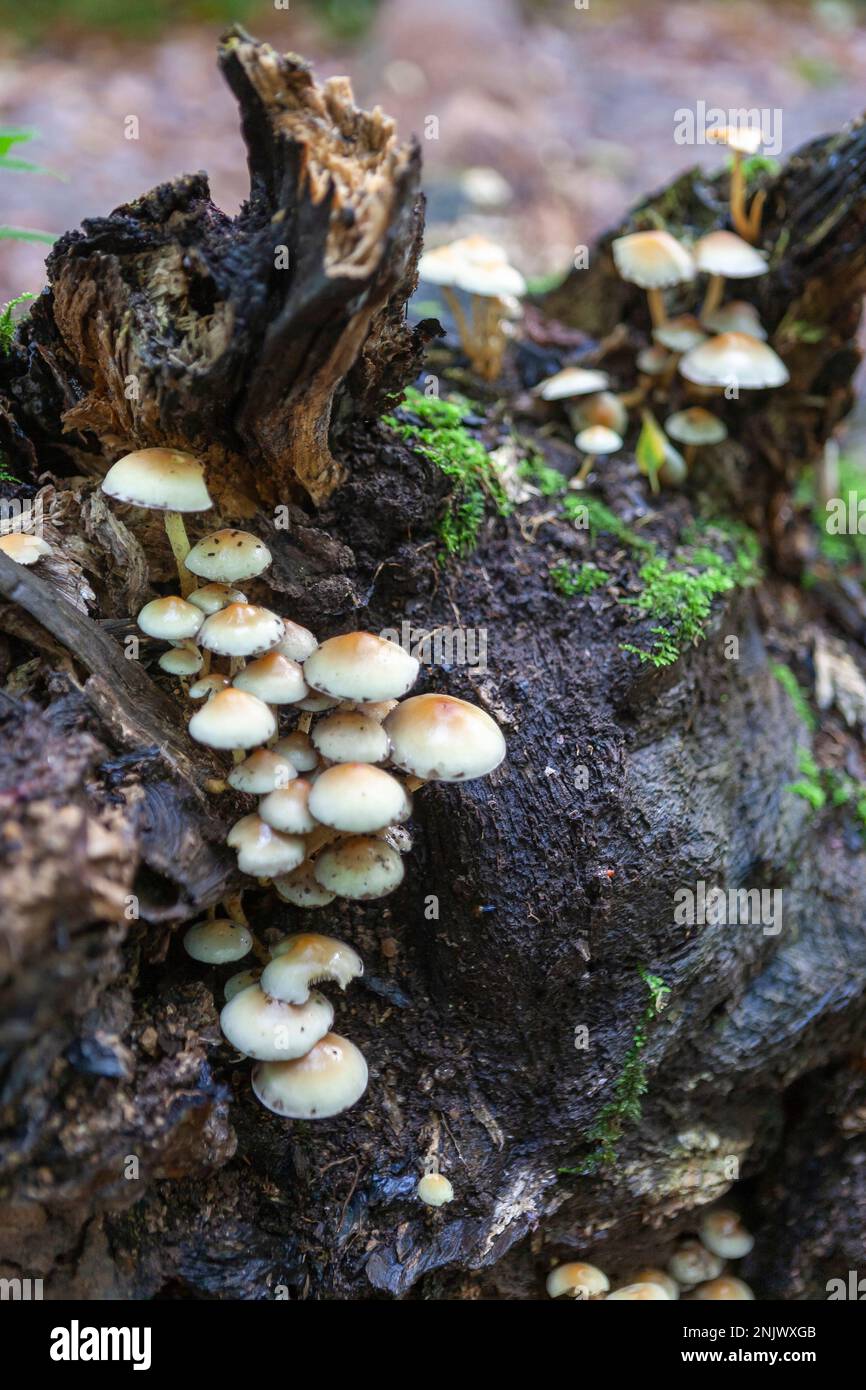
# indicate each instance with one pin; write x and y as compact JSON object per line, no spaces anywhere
{"x":638,"y":393}
{"x":739,"y":216}
{"x":755,"y":214}
{"x":713,"y":296}
{"x":179,"y":542}
{"x":583,"y":472}
{"x":656,"y":302}
{"x":304,"y":722}
{"x":234,"y":909}
{"x":413,"y":783}
{"x":464,"y":331}
{"x":689,"y":453}
{"x":238,"y":755}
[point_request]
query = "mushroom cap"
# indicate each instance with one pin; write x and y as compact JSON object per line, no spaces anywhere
{"x":274,"y":678}
{"x":208,"y":685}
{"x":24,"y":548}
{"x":598,"y":439}
{"x":745,"y":139}
{"x":263,"y":851}
{"x":653,"y":360}
{"x":440,"y":266}
{"x":651,"y":1275}
{"x":241,"y":629}
{"x":210,"y":598}
{"x":330,"y":1078}
{"x":244,"y":831}
{"x":316,"y":702}
{"x":727,"y":1288}
{"x":286,"y":808}
{"x":361,"y":666}
{"x":725,"y":253}
{"x":359,"y":868}
{"x":301,"y":889}
{"x":473,"y":264}
{"x":297,"y":749}
{"x":652,"y":260}
{"x":183,"y":660}
{"x":434,"y":1190}
{"x":602,"y":409}
{"x":649,"y":1292}
{"x":576,"y":1279}
{"x":442,"y":739}
{"x":217,"y":941}
{"x":572,"y":381}
{"x":262,"y":772}
{"x":242,"y":980}
{"x":351,"y":737}
{"x":297,"y":643}
{"x":232,"y":719}
{"x":679,"y":334}
{"x":374,"y":709}
{"x":306,"y":959}
{"x":491,"y":280}
{"x":691,"y":1263}
{"x":737,"y":316}
{"x":270,"y":1030}
{"x":171,"y":618}
{"x":166,"y":480}
{"x":696,"y":426}
{"x":358,"y":798}
{"x":723,"y":1233}
{"x":734,"y":357}
{"x":227,"y":556}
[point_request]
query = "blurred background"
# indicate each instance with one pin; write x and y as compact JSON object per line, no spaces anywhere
{"x":549,"y":116}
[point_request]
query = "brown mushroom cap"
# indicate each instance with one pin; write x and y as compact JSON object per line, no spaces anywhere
{"x":652,"y":260}
{"x":576,"y":1280}
{"x":329,"y":1079}
{"x":183,"y":660}
{"x":167,"y":480}
{"x":440,"y":738}
{"x":728,"y":255}
{"x":679,"y":334}
{"x":301,"y":889}
{"x":726,"y":1288}
{"x":308,"y":958}
{"x":734,"y":358}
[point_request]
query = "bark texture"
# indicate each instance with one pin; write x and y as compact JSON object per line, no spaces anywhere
{"x":550,"y":897}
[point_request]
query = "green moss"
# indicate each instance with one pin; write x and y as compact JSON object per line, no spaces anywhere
{"x":577,"y":579}
{"x":624,"y":1108}
{"x":822,"y":786}
{"x":549,"y":481}
{"x":8,"y":323}
{"x":592,"y":515}
{"x":758,"y":164}
{"x":437,"y":431}
{"x":844,"y":548}
{"x":789,"y":683}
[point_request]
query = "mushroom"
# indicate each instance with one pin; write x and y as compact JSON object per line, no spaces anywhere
{"x":351,"y":737}
{"x":359,"y":868}
{"x":276,"y":679}
{"x":217,"y":941}
{"x":208,"y":685}
{"x":232,"y":719}
{"x":594,"y":442}
{"x":24,"y":548}
{"x":297,"y":643}
{"x":262,"y":772}
{"x":576,"y":1280}
{"x":603,"y":409}
{"x":166,"y":480}
{"x":172,"y":619}
{"x":262,"y":851}
{"x":723,"y":1233}
{"x":638,"y":1292}
{"x":286,"y":808}
{"x":301,"y":889}
{"x":438,"y":738}
{"x":183,"y":660}
{"x":737,"y":316}
{"x":742,"y":140}
{"x":361,"y":666}
{"x":695,"y":427}
{"x":212,"y":597}
{"x":227,"y":556}
{"x":241,"y":630}
{"x":734,"y":359}
{"x":270,"y":1030}
{"x":242,"y":980}
{"x":728,"y":1289}
{"x":650,"y":1275}
{"x":374,"y":709}
{"x":691,"y":1263}
{"x":434,"y":1190}
{"x":679,"y":334}
{"x":725,"y":256}
{"x":298,"y":750}
{"x":654,"y":261}
{"x":306,"y":959}
{"x":316,"y":702}
{"x":358,"y":799}
{"x":480,"y":268}
{"x":330,"y":1078}
{"x":653,"y":362}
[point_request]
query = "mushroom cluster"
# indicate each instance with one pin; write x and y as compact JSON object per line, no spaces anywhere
{"x":479,"y":268}
{"x":696,"y":1269}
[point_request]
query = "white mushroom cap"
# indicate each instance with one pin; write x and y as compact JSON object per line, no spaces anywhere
{"x":696,"y":426}
{"x":728,"y":1289}
{"x":331,"y":1077}
{"x":492,"y":281}
{"x":440,"y":266}
{"x":270,"y":1030}
{"x":434,"y":1190}
{"x":208,"y":685}
{"x":298,"y":750}
{"x":734,"y":357}
{"x":691,"y":1263}
{"x":653,"y":360}
{"x":440,"y":738}
{"x":227,"y":556}
{"x":473,"y":264}
{"x":351,"y":737}
{"x":725,"y":253}
{"x":172,"y":619}
{"x":217,"y":941}
{"x":578,"y":1280}
{"x":652,"y":260}
{"x":241,"y":629}
{"x":316,"y":702}
{"x":301,"y":889}
{"x":603,"y":409}
{"x":297,"y":643}
{"x":167,"y":480}
{"x":212,"y":597}
{"x":651,"y":1275}
{"x":274,"y":678}
{"x":307,"y":959}
{"x":262,"y":851}
{"x":648,"y":1292}
{"x":598,"y":439}
{"x":358,"y":798}
{"x":723,"y":1233}
{"x":737,"y":316}
{"x":232,"y":719}
{"x":182,"y":660}
{"x":244,"y":831}
{"x":286,"y":808}
{"x":679,"y":334}
{"x":744,"y":139}
{"x":361,"y":666}
{"x":262,"y":772}
{"x":242,"y":980}
{"x":24,"y":548}
{"x":359,"y":868}
{"x":572,"y":381}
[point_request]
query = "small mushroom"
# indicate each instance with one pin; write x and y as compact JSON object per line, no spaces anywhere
{"x":603,"y":409}
{"x":228,"y":556}
{"x":737,"y":316}
{"x":241,"y":630}
{"x":691,"y":1263}
{"x":306,"y":959}
{"x":439,"y":738}
{"x":298,"y":750}
{"x":217,"y":941}
{"x":723,"y":1233}
{"x":734,"y":359}
{"x":361,"y":666}
{"x":242,"y":980}
{"x":357,"y":798}
{"x":480,"y":268}
{"x":183,"y":660}
{"x":262,"y":851}
{"x":571,"y":382}
{"x":270,"y":1030}
{"x":262,"y":772}
{"x":434,"y":1190}
{"x":210,"y":598}
{"x":208,"y":685}
{"x":329,"y":1079}
{"x":742,"y":140}
{"x":232,"y":719}
{"x":695,"y":427}
{"x":594,"y":442}
{"x":679,"y":334}
{"x":351,"y":737}
{"x":286,"y":808}
{"x":725,"y":256}
{"x":576,"y":1280}
{"x":654,"y":261}
{"x":297,"y":643}
{"x":727,"y":1289}
{"x":301,"y":889}
{"x":638,"y":1293}
{"x":172,"y":619}
{"x":24,"y":548}
{"x":359,"y":868}
{"x":166,"y":480}
{"x":276,"y":679}
{"x":650,"y":1275}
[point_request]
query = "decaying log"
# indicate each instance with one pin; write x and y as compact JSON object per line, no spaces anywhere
{"x":531,"y":900}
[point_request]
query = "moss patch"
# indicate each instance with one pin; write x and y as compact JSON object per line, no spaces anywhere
{"x":577,"y":579}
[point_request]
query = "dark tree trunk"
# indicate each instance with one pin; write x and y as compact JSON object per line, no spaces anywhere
{"x":531,"y":903}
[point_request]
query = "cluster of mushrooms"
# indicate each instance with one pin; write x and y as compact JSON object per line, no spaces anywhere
{"x":479,"y":268}
{"x":330,"y":819}
{"x":696,"y":1270}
